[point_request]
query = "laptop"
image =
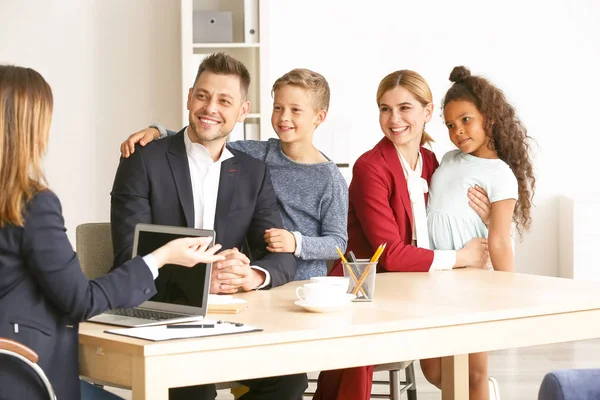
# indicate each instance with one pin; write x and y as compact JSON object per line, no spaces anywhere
{"x":182,"y":293}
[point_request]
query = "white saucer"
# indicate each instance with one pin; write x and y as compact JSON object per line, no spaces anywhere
{"x":326,"y":307}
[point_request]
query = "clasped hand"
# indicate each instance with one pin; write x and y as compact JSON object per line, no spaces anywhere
{"x":234,"y":273}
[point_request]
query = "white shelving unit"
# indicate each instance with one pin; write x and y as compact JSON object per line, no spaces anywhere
{"x":579,"y":236}
{"x":249,"y":45}
{"x":229,"y":45}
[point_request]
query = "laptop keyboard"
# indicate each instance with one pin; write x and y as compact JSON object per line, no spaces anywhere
{"x":145,"y":314}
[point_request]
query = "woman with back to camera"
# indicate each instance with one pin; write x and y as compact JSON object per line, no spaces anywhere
{"x":43,"y":291}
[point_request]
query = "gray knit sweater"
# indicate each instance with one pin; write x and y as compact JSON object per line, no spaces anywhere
{"x":313,"y":200}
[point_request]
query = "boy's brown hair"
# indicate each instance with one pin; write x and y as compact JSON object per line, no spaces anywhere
{"x":309,"y":80}
{"x":223,"y":64}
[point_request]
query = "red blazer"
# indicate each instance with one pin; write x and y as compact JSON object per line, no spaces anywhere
{"x":380,"y":211}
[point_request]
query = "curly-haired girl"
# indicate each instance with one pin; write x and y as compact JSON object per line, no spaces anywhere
{"x":493,"y":153}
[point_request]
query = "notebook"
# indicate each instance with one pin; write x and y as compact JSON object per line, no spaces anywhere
{"x":225,"y":304}
{"x":182,"y":293}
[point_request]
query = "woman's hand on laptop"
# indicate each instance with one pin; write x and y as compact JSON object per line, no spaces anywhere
{"x":188,"y":252}
{"x":142,"y":137}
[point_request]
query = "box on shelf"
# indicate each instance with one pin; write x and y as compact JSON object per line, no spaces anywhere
{"x":213,"y":27}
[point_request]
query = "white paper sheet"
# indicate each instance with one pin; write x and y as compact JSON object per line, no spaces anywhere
{"x":159,"y":333}
{"x":219,"y":299}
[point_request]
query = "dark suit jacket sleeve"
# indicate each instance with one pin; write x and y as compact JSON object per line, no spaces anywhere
{"x":51,"y":259}
{"x":129,"y":204}
{"x":370,"y":193}
{"x":281,"y":266}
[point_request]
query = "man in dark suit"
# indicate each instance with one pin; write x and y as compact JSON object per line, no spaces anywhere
{"x":192,"y":179}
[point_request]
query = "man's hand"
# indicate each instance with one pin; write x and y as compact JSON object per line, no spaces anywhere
{"x":144,"y":137}
{"x":234,"y":273}
{"x":480,"y":203}
{"x":280,"y":241}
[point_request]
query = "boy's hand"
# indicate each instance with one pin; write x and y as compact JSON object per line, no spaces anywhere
{"x":280,"y":241}
{"x":144,"y":137}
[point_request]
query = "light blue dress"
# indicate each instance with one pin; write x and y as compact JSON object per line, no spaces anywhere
{"x":451,"y":222}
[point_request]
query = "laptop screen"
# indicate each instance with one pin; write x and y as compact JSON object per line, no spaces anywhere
{"x":175,"y":284}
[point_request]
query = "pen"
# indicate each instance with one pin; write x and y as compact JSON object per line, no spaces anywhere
{"x":351,"y":256}
{"x":237,"y":324}
{"x":190,"y":326}
{"x":364,"y":290}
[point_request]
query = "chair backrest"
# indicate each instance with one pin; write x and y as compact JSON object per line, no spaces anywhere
{"x":28,"y":356}
{"x":94,"y":248}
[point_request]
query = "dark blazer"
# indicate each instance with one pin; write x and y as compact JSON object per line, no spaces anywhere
{"x":154,"y":186}
{"x":44,"y":291}
{"x":380,"y":210}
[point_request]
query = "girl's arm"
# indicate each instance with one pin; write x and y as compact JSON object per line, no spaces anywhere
{"x":499,"y":239}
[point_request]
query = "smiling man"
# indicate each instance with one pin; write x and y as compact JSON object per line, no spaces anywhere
{"x":192,"y":179}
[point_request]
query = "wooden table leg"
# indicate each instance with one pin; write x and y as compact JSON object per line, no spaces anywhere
{"x":455,"y":377}
{"x":148,"y":379}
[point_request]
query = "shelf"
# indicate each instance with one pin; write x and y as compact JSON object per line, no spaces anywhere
{"x":247,"y":43}
{"x":225,"y":45}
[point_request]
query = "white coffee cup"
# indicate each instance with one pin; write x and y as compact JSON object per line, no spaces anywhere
{"x":341,"y":282}
{"x":321,"y":293}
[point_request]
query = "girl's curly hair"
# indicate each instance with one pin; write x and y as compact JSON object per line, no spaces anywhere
{"x":508,"y":135}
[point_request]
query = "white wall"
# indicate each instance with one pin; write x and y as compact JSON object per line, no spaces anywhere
{"x":114,"y":66}
{"x":545,"y":56}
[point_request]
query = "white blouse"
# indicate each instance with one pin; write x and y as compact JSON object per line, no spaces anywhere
{"x":417,"y":187}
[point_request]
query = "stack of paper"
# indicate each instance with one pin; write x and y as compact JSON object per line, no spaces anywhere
{"x":225,"y":304}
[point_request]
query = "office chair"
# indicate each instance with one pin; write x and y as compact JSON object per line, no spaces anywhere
{"x":570,"y":384}
{"x":93,"y":242}
{"x":396,"y":385}
{"x":29,"y":357}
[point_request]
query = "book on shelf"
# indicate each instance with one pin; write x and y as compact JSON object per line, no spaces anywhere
{"x":251,"y":21}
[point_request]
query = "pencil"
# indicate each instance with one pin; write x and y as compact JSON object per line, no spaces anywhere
{"x":377,"y":253}
{"x":375,"y":259}
{"x":341,"y":255}
{"x":368,"y":269}
{"x":354,"y":278}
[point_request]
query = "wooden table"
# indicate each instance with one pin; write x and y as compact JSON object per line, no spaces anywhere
{"x":415,"y":315}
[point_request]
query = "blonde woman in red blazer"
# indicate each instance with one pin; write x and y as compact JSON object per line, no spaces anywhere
{"x":380,"y":208}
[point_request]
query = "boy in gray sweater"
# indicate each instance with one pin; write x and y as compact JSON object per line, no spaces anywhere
{"x":311,"y":192}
